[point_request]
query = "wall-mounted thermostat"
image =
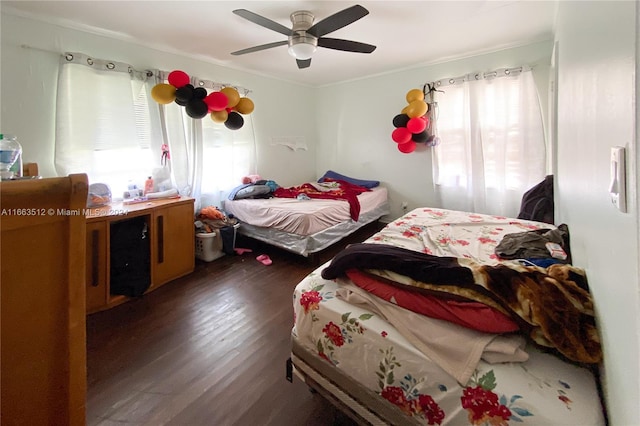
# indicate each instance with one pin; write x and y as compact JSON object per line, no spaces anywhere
{"x":618,"y":187}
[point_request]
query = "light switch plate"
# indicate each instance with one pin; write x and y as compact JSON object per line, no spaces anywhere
{"x":618,"y":187}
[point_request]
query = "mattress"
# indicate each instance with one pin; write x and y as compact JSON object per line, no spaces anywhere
{"x":378,"y":373}
{"x":301,"y":217}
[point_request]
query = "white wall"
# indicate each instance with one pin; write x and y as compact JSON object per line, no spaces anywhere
{"x":29,"y":78}
{"x":597,"y":66}
{"x":355,"y":122}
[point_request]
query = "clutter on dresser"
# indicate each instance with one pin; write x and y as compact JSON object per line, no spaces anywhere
{"x":99,"y":195}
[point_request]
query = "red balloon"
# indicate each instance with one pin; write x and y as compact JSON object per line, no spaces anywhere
{"x":407,"y":147}
{"x":217,"y":101}
{"x":401,"y":135}
{"x":416,"y":125}
{"x":178,"y":79}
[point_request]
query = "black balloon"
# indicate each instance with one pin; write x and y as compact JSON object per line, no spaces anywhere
{"x":184,"y":93}
{"x":199,"y":93}
{"x":234,"y":121}
{"x":180,"y":102}
{"x":197,"y":108}
{"x":401,"y":120}
{"x":420,"y":137}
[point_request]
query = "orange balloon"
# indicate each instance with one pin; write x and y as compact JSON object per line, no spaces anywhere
{"x":417,"y":109}
{"x":232,"y":95}
{"x":163,"y":93}
{"x":415,"y":95}
{"x":245,"y":106}
{"x":219,"y":116}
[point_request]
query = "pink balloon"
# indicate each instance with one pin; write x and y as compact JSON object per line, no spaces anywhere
{"x":401,"y":135}
{"x":416,"y":125}
{"x":217,"y":101}
{"x":178,"y":78}
{"x":407,"y":147}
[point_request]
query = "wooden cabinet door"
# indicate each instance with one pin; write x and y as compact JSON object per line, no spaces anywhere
{"x":43,"y":378}
{"x":96,"y":271}
{"x":173,"y":241}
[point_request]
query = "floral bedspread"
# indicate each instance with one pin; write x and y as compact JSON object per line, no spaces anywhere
{"x":453,"y":233}
{"x":543,"y":390}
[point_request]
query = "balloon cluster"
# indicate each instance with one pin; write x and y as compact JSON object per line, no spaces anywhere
{"x":411,"y":125}
{"x":224,"y":106}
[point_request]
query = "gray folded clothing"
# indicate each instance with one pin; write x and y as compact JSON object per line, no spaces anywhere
{"x":531,"y":244}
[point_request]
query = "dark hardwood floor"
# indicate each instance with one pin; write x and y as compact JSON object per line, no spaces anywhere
{"x":207,"y":349}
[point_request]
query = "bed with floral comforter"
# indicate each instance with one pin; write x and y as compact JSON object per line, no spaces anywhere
{"x":450,"y":361}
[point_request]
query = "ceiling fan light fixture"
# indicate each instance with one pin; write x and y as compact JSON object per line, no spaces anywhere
{"x":302,"y":46}
{"x":302,"y":50}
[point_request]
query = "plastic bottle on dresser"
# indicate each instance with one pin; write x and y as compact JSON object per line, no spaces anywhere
{"x":148,"y":186}
{"x":10,"y":156}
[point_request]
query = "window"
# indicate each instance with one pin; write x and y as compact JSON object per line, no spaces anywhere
{"x":109,"y":127}
{"x":227,"y":157}
{"x":103,"y":123}
{"x":492,"y":143}
{"x":208,"y":160}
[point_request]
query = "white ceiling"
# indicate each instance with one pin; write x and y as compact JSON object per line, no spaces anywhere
{"x":406,"y":33}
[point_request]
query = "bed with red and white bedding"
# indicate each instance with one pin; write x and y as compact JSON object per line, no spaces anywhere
{"x":480,"y":342}
{"x":306,"y":225}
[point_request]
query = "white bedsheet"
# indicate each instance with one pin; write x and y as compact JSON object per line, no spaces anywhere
{"x":302,"y":217}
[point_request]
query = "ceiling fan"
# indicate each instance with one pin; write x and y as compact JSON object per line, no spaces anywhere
{"x":304,"y":37}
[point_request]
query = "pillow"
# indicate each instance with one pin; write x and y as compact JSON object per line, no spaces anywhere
{"x":360,"y":182}
{"x":473,"y":315}
{"x":252,"y":191}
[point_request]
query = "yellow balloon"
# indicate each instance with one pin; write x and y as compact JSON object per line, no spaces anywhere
{"x":415,"y":95}
{"x":219,"y":116}
{"x":245,"y":106}
{"x":163,"y":93}
{"x":232,"y":95}
{"x":405,"y":110}
{"x":417,"y":109}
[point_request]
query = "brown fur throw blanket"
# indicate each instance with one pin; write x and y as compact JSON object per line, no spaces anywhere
{"x":552,"y":305}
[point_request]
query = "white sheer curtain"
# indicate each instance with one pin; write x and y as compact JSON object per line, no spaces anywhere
{"x":492,"y":141}
{"x":183,"y":136}
{"x":208,"y":160}
{"x":104,"y":122}
{"x":228,"y":156}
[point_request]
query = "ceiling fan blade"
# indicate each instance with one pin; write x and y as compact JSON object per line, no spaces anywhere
{"x":338,"y":20}
{"x":346,"y":45}
{"x":262,"y":21}
{"x":259,"y":48}
{"x":303,"y":63}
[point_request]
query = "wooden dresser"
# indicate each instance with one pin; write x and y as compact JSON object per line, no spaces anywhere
{"x":172,"y":245}
{"x":43,"y":378}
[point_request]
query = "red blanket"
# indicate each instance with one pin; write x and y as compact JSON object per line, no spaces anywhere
{"x":347,"y":191}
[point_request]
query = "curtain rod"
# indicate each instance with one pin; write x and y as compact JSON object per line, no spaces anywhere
{"x":111,"y":65}
{"x":501,"y":72}
{"x":208,"y":84}
{"x":26,"y":46}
